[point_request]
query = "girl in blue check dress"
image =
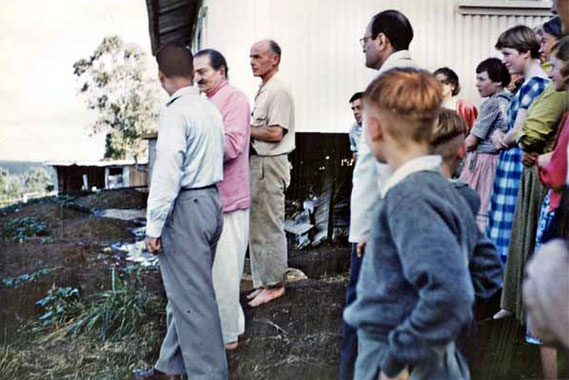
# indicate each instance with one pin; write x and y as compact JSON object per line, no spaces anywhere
{"x":520,"y":48}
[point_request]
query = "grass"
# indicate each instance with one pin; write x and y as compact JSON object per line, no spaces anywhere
{"x":83,"y":357}
{"x":108,"y":315}
{"x":102,"y":336}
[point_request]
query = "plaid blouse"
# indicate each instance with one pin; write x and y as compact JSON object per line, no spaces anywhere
{"x":509,"y":172}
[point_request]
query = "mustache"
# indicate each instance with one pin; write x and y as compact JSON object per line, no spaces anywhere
{"x":201,"y":82}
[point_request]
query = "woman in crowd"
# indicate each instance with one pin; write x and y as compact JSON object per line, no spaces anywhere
{"x":548,"y":35}
{"x":480,"y":167}
{"x":536,"y":137}
{"x":451,"y":88}
{"x":520,"y":48}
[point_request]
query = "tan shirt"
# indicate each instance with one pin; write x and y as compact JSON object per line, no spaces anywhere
{"x":274,"y":106}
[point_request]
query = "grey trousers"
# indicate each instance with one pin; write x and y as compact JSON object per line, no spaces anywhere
{"x":270,"y":177}
{"x":449,"y":365}
{"x":193,"y":342}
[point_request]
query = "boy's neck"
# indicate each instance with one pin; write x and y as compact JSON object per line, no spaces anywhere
{"x":446,"y":170}
{"x":398,"y":158}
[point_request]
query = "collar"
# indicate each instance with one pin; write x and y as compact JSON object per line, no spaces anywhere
{"x":419,"y":164}
{"x":222,"y":84}
{"x":504,"y":93}
{"x":401,"y":58}
{"x":188,"y":90}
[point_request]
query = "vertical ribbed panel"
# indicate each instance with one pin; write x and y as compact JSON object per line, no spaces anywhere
{"x":322,"y":60}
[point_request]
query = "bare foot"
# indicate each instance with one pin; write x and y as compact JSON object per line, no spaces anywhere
{"x":254,"y":293}
{"x":267,"y":295}
{"x":502,"y":314}
{"x":231,"y":346}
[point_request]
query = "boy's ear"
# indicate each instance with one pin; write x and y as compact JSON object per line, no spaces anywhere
{"x":461,"y":151}
{"x":374,"y":128}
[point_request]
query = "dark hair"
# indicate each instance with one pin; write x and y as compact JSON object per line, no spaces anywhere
{"x":356,"y":96}
{"x":561,"y":52}
{"x":521,"y":38}
{"x":175,"y":60}
{"x":216,"y":59}
{"x":452,"y":78}
{"x":395,"y":26}
{"x":553,"y":27}
{"x":497,"y":71}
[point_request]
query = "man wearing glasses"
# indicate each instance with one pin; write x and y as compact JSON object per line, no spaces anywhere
{"x":385,"y":45}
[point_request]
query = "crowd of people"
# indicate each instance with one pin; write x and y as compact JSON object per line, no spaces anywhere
{"x":448,"y":204}
{"x":408,"y":307}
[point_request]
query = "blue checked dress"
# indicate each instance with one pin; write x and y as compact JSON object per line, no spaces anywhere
{"x":509,"y":172}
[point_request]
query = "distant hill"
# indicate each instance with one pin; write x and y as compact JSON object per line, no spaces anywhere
{"x":22,"y":167}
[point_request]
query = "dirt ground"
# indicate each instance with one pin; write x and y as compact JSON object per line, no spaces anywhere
{"x":296,"y":337}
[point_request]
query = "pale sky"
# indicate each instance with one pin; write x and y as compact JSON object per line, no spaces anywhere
{"x":41,"y":116}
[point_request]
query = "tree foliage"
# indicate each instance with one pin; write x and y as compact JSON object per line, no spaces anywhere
{"x":14,"y":186}
{"x":115,"y":83}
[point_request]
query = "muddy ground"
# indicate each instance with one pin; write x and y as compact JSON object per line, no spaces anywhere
{"x":296,"y":337}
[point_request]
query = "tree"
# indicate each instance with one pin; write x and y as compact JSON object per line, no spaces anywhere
{"x":116,"y":84}
{"x":37,"y":180}
{"x":11,"y":186}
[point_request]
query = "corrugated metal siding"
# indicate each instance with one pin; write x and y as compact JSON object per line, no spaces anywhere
{"x":171,"y":20}
{"x":322,"y":59}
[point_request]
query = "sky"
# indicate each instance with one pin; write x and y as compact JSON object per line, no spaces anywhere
{"x":42,"y":117}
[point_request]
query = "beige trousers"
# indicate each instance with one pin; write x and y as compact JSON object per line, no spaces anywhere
{"x":227,"y":272}
{"x":270,"y":177}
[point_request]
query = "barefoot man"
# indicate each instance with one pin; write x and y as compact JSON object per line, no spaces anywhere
{"x":272,"y":139}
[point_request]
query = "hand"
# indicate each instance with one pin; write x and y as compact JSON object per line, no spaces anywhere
{"x":404,"y":375}
{"x":470,"y":142}
{"x":154,"y":245}
{"x":498,"y":140}
{"x":360,"y":249}
{"x":528,"y":159}
{"x":544,"y":159}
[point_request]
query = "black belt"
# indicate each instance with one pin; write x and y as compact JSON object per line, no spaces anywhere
{"x":198,"y":188}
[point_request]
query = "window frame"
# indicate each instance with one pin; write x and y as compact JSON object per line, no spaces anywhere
{"x":505,"y":7}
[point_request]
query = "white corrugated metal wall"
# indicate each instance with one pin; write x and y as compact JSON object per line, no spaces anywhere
{"x":322,"y":60}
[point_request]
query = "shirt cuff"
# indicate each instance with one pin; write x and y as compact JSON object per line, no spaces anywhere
{"x":391,"y":366}
{"x":154,"y":229}
{"x":478,"y":133}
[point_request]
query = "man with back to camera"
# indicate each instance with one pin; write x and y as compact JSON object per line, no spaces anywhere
{"x":184,"y":222}
{"x":385,"y":45}
{"x":272,"y":139}
{"x":210,"y":74}
{"x":356,"y":130}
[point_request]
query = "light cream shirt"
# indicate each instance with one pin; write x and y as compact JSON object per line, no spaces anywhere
{"x":369,"y":175}
{"x":274,"y":106}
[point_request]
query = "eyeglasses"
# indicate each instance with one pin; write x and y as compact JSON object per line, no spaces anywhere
{"x":363,"y":40}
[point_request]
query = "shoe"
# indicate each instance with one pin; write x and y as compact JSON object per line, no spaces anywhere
{"x":154,"y":374}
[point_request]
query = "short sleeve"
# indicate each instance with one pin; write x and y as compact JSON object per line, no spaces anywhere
{"x":280,"y":110}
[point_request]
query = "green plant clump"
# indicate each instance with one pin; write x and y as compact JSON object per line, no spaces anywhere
{"x":109,"y":315}
{"x":60,"y":304}
{"x":20,"y":229}
{"x":11,"y":282}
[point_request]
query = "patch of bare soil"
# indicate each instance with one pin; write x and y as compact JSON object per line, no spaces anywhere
{"x":294,"y":337}
{"x":71,"y":246}
{"x":118,"y":199}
